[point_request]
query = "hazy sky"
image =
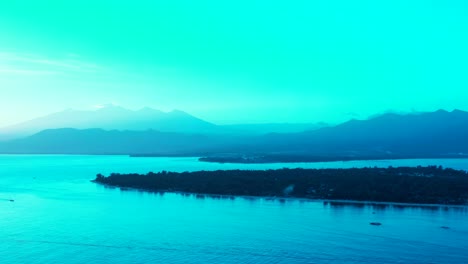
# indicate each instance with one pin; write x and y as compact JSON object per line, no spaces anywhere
{"x":234,"y":61}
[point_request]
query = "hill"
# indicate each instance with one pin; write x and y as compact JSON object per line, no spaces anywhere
{"x":435,"y":134}
{"x":113,"y":118}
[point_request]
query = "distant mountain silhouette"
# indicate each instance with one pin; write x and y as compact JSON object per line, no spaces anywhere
{"x":98,"y":141}
{"x":118,"y":118}
{"x":439,"y":132}
{"x":435,"y":134}
{"x":114,"y":117}
{"x":265,"y":128}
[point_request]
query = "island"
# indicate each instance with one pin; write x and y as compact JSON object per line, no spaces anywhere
{"x":249,"y":158}
{"x":421,"y":185}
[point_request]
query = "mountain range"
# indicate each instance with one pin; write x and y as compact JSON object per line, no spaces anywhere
{"x":433,"y":134}
{"x":421,"y":134}
{"x":118,"y":118}
{"x":113,"y":118}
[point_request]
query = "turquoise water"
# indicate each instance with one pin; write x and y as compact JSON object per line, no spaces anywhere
{"x":58,"y":216}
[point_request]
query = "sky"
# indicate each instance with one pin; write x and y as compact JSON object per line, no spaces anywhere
{"x":243,"y":61}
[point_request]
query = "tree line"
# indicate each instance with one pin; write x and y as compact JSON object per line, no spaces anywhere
{"x":428,"y":185}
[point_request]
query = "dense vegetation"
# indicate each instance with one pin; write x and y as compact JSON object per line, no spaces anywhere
{"x":434,"y":185}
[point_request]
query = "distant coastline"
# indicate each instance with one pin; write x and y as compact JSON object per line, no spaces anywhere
{"x":304,"y":158}
{"x":403,"y":185}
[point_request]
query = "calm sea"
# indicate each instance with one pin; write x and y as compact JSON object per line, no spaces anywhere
{"x":58,"y":216}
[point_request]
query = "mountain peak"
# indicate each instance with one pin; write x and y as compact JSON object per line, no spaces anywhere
{"x":111,"y":107}
{"x":442,"y":111}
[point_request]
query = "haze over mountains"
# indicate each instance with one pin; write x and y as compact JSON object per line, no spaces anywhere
{"x":114,"y":118}
{"x":422,"y":134}
{"x":435,"y":134}
{"x":118,"y":118}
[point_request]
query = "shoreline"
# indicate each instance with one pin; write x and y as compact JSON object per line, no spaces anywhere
{"x":277,"y":198}
{"x":431,"y":185}
{"x":270,"y":160}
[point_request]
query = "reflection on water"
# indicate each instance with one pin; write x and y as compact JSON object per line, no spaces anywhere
{"x":394,"y":206}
